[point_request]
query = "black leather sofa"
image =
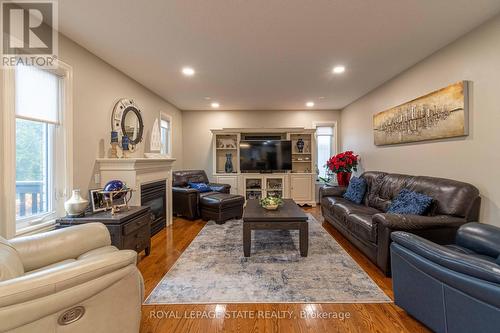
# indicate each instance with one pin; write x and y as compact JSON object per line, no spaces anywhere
{"x":369,"y":228}
{"x":453,"y":288}
{"x":186,"y":200}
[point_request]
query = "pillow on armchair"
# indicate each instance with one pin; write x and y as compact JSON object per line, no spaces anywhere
{"x":202,"y":187}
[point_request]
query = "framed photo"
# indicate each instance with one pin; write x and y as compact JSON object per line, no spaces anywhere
{"x":97,"y":200}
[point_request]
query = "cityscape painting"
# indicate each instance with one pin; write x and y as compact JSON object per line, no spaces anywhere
{"x":438,"y":115}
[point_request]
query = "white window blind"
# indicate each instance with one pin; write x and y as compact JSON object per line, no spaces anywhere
{"x":164,"y":124}
{"x":324,"y":130}
{"x":37,"y":95}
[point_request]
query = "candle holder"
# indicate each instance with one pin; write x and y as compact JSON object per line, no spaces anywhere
{"x":125,"y":145}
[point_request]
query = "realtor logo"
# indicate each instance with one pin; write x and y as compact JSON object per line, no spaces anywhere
{"x":29,"y":33}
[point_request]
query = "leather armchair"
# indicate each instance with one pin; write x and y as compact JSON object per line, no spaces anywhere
{"x":186,"y":200}
{"x":451,"y":288}
{"x":50,"y":279}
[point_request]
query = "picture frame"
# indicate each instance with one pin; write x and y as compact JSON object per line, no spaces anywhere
{"x":97,"y":200}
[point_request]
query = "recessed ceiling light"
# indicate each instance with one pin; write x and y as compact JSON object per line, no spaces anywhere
{"x":310,"y":104}
{"x":338,"y":69}
{"x":188,"y":71}
{"x":215,"y":105}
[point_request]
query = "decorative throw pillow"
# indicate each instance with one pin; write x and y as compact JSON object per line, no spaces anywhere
{"x":356,"y":190}
{"x":202,"y":187}
{"x":216,"y":188}
{"x":409,"y":202}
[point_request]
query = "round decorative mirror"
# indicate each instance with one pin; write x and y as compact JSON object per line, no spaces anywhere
{"x":127,"y":121}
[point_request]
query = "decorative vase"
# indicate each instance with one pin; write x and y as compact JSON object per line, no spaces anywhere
{"x":76,"y":205}
{"x":300,"y":145}
{"x":228,"y":167}
{"x":343,"y":178}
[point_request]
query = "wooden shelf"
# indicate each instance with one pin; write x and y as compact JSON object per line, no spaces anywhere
{"x":226,"y":148}
{"x":301,"y":153}
{"x":301,"y":161}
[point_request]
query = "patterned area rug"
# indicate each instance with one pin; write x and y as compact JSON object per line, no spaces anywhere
{"x":213,"y":270}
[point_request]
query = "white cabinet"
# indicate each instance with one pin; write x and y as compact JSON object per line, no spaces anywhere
{"x":301,"y":189}
{"x":230,"y":180}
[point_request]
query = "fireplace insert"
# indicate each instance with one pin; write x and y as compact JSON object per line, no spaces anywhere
{"x":154,"y":195}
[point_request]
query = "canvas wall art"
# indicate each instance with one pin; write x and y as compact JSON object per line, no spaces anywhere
{"x":438,"y":115}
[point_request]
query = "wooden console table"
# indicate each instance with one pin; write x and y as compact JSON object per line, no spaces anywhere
{"x":130,"y":229}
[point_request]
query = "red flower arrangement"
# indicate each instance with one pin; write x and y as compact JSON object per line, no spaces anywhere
{"x":343,"y":162}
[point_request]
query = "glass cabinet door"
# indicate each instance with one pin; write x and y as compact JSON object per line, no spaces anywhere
{"x":274,"y":187}
{"x":253,"y":188}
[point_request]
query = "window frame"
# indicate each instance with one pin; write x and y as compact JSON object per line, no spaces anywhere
{"x":335,"y":141}
{"x":62,"y":159}
{"x":166,"y":117}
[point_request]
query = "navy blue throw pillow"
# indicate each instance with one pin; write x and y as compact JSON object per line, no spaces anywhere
{"x":202,"y":187}
{"x":409,"y":202}
{"x":356,"y":190}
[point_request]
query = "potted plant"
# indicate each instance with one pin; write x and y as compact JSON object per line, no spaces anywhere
{"x":343,"y":164}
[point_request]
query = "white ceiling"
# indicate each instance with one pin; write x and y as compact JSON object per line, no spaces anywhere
{"x":267,"y":54}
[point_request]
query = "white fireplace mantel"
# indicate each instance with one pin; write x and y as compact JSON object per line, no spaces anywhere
{"x":136,"y":172}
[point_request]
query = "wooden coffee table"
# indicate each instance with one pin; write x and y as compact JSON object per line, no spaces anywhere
{"x":288,"y":217}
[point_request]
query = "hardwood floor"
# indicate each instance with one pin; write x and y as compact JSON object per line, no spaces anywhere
{"x":169,"y":244}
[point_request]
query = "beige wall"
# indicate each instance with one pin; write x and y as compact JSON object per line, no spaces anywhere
{"x":97,"y":86}
{"x":3,"y":193}
{"x":197,"y":138}
{"x":474,"y":159}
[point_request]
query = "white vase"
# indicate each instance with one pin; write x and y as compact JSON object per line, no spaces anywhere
{"x":76,"y":205}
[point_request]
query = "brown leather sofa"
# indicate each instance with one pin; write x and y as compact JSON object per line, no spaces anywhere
{"x":369,"y":228}
{"x":186,"y":200}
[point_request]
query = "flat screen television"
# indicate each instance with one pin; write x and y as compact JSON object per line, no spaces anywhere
{"x":265,"y":155}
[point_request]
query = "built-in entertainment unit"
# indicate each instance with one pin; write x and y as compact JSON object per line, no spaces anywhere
{"x":262,"y":162}
{"x":265,"y":155}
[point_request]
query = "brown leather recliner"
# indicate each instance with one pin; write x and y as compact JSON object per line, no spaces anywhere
{"x":185,"y":199}
{"x":369,"y":228}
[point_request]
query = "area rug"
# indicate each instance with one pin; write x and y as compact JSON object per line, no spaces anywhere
{"x":213,"y":270}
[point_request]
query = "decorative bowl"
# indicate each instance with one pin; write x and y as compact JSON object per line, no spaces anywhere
{"x":271,"y":203}
{"x":271,"y":207}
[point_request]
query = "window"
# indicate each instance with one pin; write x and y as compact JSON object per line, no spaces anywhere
{"x":325,"y":139}
{"x":38,"y":122}
{"x":37,"y":114}
{"x":166,"y":134}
